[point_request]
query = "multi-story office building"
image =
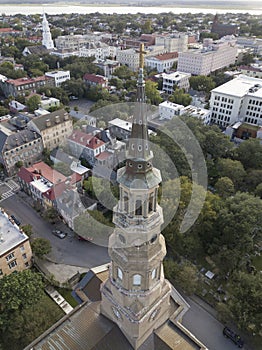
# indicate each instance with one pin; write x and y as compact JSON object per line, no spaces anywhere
{"x":15,"y":249}
{"x":239,"y":99}
{"x":208,"y":59}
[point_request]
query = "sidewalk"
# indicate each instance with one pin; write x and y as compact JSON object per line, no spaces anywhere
{"x":204,"y":305}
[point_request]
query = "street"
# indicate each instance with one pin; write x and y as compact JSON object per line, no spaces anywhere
{"x":69,"y":250}
{"x":207,"y":328}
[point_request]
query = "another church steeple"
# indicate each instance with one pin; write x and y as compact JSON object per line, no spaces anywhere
{"x":47,"y":37}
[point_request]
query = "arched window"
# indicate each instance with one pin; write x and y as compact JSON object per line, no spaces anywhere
{"x":153,"y":274}
{"x":137,"y":280}
{"x":119,"y":273}
{"x":125,"y":203}
{"x":139,"y":207}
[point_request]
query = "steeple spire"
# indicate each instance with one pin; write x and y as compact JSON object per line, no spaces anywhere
{"x":47,"y":37}
{"x":138,"y":143}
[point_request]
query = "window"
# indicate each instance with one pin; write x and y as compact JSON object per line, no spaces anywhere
{"x":137,"y":280}
{"x":139,"y":207}
{"x":10,"y":256}
{"x":22,"y":248}
{"x":1,"y":272}
{"x":119,"y":273}
{"x":24,"y":256}
{"x":27,"y":264}
{"x":12,"y":264}
{"x":153,"y":274}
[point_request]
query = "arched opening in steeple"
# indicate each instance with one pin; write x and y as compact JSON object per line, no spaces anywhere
{"x":138,"y":207}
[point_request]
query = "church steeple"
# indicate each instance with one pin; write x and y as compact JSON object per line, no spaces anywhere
{"x":47,"y":37}
{"x":138,"y":149}
{"x":136,"y":296}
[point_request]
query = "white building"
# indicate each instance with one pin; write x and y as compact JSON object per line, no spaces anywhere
{"x":200,"y":113}
{"x":59,"y":76}
{"x":47,"y":37}
{"x":162,"y":63}
{"x":167,"y":110}
{"x":100,"y":51}
{"x":239,"y":99}
{"x":130,"y":57}
{"x":179,"y":79}
{"x":203,"y":62}
{"x":173,"y":42}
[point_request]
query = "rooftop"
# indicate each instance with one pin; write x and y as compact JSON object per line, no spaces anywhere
{"x":241,"y":86}
{"x":10,"y":234}
{"x":50,"y":120}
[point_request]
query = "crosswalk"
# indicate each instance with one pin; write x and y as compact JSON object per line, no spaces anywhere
{"x":13,"y":187}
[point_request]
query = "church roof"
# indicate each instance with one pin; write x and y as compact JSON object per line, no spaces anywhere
{"x":86,"y":329}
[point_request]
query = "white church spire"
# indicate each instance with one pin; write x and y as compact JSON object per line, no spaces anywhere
{"x":47,"y":37}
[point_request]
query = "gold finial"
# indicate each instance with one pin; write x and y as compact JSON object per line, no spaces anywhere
{"x":142,"y":52}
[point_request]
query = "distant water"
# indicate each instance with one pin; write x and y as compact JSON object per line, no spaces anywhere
{"x":83,"y":9}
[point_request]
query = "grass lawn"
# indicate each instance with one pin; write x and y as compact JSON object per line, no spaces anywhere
{"x":66,"y":293}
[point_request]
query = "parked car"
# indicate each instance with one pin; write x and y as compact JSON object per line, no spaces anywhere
{"x":18,"y":223}
{"x":233,"y":336}
{"x":59,"y":234}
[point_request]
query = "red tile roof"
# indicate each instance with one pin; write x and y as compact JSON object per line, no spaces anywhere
{"x":55,"y":192}
{"x":104,"y":155}
{"x":167,"y":56}
{"x":25,"y":81}
{"x":41,"y":169}
{"x":98,"y":79}
{"x":86,"y":140}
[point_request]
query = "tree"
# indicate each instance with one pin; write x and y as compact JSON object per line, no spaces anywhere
{"x":123,"y":72}
{"x":18,"y":291}
{"x":41,"y":247}
{"x":3,"y":111}
{"x":27,"y":230}
{"x":233,"y":169}
{"x":180,"y":97}
{"x":33,"y":103}
{"x":225,"y":187}
{"x":202,"y":83}
{"x":246,"y":301}
{"x":19,"y":164}
{"x":249,"y":153}
{"x":152,"y":93}
{"x":51,"y":215}
{"x":183,"y":275}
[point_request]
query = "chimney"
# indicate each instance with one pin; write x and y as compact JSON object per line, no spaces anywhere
{"x":66,"y":116}
{"x":57,"y":119}
{"x":48,"y":122}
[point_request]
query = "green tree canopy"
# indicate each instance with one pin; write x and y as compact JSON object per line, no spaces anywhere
{"x":202,"y":83}
{"x":41,"y":247}
{"x":33,"y":103}
{"x":180,"y":97}
{"x":18,"y":291}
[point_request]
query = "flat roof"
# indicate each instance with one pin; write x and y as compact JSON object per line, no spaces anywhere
{"x":41,"y":185}
{"x":10,"y":234}
{"x":240,"y":86}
